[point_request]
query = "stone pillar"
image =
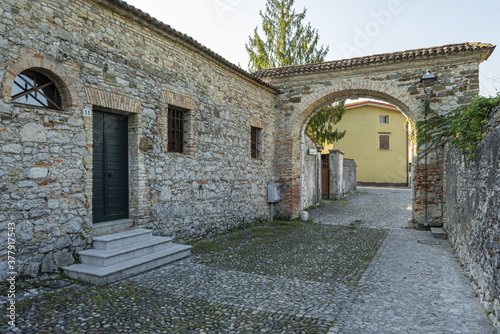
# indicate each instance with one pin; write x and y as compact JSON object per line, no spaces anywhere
{"x":428,"y":189}
{"x":318,"y":178}
{"x":336,"y":173}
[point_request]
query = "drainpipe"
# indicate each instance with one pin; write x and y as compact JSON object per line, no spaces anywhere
{"x":407,"y":157}
{"x":317,"y":180}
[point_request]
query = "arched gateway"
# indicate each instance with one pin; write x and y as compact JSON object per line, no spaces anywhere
{"x":393,"y":77}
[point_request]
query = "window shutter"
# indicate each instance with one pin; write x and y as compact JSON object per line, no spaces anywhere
{"x":383,"y":142}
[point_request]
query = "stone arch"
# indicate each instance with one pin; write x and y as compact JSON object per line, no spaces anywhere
{"x":334,"y":93}
{"x":62,"y":80}
{"x":409,"y":106}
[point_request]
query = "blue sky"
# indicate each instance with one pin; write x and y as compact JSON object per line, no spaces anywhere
{"x":351,"y":28}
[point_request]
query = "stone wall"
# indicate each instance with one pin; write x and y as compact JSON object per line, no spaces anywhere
{"x":311,"y":175}
{"x":394,"y":78}
{"x":350,"y":176}
{"x":342,"y":173}
{"x":472,"y":194}
{"x":103,"y":56}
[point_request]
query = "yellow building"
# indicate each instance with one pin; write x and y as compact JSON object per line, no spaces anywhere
{"x":377,"y":140}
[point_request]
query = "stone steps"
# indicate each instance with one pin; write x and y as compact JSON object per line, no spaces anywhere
{"x":438,"y":233}
{"x":120,"y":255}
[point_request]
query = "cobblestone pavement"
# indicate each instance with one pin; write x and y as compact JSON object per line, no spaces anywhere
{"x":288,"y":277}
{"x":414,"y":284}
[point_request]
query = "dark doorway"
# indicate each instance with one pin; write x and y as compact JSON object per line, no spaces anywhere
{"x":110,"y":171}
{"x":325,"y":174}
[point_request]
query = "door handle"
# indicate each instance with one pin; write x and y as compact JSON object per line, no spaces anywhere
{"x":111,"y":174}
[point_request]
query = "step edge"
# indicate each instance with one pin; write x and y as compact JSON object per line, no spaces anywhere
{"x":121,"y":250}
{"x":116,"y":270}
{"x":122,"y":235}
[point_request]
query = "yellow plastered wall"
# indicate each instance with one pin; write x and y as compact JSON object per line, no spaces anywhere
{"x":361,"y":142}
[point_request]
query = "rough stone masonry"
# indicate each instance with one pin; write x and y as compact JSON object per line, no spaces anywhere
{"x":107,"y":56}
{"x":472,"y":210}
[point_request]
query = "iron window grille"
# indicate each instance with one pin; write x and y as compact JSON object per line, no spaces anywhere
{"x":176,"y":129}
{"x":33,"y":88}
{"x":255,"y":142}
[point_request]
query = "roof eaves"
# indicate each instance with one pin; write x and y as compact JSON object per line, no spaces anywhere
{"x":377,"y":59}
{"x":138,"y":15}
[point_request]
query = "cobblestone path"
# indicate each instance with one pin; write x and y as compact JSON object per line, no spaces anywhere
{"x":359,"y":271}
{"x":414,"y":284}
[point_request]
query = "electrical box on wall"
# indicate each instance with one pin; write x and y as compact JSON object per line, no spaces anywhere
{"x":274,"y":192}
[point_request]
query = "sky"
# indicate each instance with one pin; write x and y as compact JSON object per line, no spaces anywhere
{"x":351,"y":28}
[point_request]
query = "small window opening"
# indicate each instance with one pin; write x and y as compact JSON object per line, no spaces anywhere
{"x":33,"y":88}
{"x":176,"y":129}
{"x":384,"y":119}
{"x":383,"y":142}
{"x":255,"y":142}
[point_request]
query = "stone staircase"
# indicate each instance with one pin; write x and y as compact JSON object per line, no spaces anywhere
{"x":124,"y":254}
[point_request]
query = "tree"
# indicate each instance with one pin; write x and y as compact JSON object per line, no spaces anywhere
{"x":321,"y":126}
{"x":287,"y":40}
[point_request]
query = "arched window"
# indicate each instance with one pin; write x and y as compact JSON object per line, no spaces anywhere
{"x":33,"y":88}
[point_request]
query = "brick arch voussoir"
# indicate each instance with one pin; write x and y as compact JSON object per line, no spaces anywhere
{"x":61,"y":78}
{"x":385,"y":91}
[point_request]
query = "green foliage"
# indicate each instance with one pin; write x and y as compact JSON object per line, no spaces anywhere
{"x":412,"y":130}
{"x":321,"y":127}
{"x":464,"y":127}
{"x":287,"y":40}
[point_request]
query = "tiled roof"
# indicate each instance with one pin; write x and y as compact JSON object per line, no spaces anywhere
{"x":369,"y":102}
{"x":137,"y":13}
{"x":376,"y":59}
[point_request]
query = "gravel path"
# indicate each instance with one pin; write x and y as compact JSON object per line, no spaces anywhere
{"x":359,"y":271}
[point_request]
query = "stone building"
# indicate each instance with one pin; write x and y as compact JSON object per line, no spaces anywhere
{"x":104,"y":155}
{"x":111,"y":119}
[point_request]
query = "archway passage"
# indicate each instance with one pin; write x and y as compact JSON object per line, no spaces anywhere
{"x":392,"y":77}
{"x":376,"y":138}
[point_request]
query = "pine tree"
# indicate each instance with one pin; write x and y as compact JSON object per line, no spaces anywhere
{"x":287,"y":40}
{"x":321,"y":126}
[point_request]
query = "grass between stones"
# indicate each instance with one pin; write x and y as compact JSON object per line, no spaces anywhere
{"x":323,"y":253}
{"x":124,"y":307}
{"x":290,"y":249}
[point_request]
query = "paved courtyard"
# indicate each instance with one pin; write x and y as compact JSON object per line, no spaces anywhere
{"x":356,"y":269}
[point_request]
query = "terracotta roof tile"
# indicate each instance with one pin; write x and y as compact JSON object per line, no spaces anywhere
{"x":375,"y":59}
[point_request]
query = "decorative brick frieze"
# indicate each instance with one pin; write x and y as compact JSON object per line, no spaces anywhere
{"x":178,"y":100}
{"x":112,"y":100}
{"x":257,"y":123}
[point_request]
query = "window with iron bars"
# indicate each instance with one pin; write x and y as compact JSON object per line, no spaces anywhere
{"x":176,"y":129}
{"x":33,"y":88}
{"x":255,"y":143}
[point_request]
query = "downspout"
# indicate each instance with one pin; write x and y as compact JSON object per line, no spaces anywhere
{"x":407,"y":157}
{"x":317,"y":180}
